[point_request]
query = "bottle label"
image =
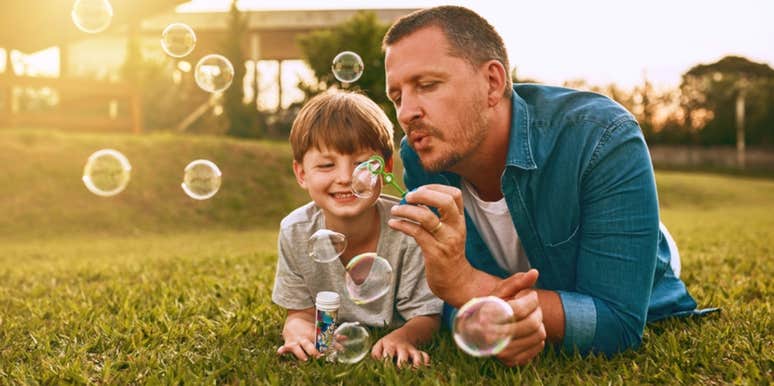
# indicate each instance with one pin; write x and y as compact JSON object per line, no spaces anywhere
{"x":325,"y":325}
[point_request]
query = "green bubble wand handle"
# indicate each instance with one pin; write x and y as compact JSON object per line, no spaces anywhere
{"x":387,"y":177}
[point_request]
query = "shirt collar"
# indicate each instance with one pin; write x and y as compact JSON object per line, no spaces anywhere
{"x":519,"y":145}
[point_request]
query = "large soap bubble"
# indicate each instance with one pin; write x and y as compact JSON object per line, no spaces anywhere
{"x":107,"y":172}
{"x":214,"y":73}
{"x":178,"y":40}
{"x":351,"y":342}
{"x":201,"y":179}
{"x":92,"y":16}
{"x":347,"y":67}
{"x":368,"y":278}
{"x":480,"y":326}
{"x":326,"y":245}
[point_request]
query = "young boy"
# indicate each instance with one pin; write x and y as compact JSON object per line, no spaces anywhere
{"x":332,"y":134}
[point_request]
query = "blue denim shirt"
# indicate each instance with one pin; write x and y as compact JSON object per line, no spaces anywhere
{"x":580,"y":188}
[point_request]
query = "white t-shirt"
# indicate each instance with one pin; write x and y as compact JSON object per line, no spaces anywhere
{"x":494,"y":224}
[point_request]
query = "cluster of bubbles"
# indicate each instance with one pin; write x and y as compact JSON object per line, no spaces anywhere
{"x":213,"y":73}
{"x":368,"y":276}
{"x":107,"y":173}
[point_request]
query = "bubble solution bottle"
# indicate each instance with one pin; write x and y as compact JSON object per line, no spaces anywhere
{"x":327,"y":309}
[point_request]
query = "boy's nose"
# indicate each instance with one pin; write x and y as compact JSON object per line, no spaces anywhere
{"x":344,"y":174}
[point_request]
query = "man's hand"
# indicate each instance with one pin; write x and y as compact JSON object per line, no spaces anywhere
{"x":527,"y":331}
{"x":442,"y":239}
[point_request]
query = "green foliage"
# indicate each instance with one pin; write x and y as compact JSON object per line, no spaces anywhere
{"x":244,"y":120}
{"x":164,"y":103}
{"x":714,"y":88}
{"x":150,"y":287}
{"x":361,"y":34}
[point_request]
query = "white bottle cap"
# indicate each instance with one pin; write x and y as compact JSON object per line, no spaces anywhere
{"x":327,"y":301}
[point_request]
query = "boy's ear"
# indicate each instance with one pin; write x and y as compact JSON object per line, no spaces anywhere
{"x":298,"y":170}
{"x":388,"y":165}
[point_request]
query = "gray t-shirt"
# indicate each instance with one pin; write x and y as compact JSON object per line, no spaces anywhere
{"x":299,"y":277}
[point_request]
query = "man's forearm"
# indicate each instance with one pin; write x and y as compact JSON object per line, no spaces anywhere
{"x":553,"y":314}
{"x":471,"y":283}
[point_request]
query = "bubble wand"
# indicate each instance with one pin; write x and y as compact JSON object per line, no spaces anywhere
{"x":374,"y":165}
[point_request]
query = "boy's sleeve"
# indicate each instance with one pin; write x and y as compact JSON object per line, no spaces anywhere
{"x":414,"y":297}
{"x":290,"y":290}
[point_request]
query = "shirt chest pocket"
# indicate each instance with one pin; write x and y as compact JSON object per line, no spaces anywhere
{"x":567,"y":247}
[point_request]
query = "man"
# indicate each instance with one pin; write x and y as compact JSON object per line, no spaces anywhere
{"x":526,"y":179}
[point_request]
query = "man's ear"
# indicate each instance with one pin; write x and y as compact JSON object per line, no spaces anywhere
{"x":496,"y":77}
{"x":298,"y":170}
{"x":388,"y":165}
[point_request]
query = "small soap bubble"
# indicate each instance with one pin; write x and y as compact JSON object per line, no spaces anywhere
{"x":480,"y":326}
{"x":368,"y":278}
{"x":214,"y":73}
{"x":347,"y":67}
{"x":92,"y":16}
{"x":201,"y":179}
{"x":107,"y":172}
{"x":351,"y":342}
{"x":366,"y":181}
{"x":178,"y":40}
{"x":326,"y":245}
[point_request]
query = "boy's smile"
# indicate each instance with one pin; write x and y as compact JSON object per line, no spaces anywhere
{"x":327,"y":176}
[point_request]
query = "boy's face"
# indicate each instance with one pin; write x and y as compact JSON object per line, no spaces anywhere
{"x":327,"y":176}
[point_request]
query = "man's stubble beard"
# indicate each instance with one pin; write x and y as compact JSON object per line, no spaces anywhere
{"x":472,"y":133}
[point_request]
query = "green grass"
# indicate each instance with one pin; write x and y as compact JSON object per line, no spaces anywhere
{"x":152,"y":287}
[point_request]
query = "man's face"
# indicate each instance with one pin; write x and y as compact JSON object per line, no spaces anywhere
{"x":440,"y":99}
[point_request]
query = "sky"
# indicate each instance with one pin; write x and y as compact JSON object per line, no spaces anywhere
{"x":602,"y":41}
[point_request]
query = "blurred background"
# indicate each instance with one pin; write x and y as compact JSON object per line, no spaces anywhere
{"x":696,"y":74}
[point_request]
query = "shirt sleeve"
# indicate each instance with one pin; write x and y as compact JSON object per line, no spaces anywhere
{"x":290,"y":289}
{"x":414,"y":297}
{"x":607,"y":310}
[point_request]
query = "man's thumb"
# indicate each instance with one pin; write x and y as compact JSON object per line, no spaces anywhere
{"x":510,"y":286}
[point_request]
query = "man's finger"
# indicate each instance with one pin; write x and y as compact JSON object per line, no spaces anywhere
{"x":524,"y":303}
{"x":510,"y":286}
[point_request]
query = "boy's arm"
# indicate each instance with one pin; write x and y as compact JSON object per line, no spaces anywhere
{"x":401,"y":344}
{"x":298,"y":333}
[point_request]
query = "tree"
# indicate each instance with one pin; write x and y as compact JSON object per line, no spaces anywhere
{"x":361,"y":34}
{"x":709,"y":95}
{"x":244,"y":119}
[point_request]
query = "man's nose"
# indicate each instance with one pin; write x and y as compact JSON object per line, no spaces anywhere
{"x":409,"y":110}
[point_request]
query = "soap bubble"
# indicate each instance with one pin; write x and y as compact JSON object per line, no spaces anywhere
{"x":366,"y":181}
{"x":347,"y":67}
{"x":178,"y":40}
{"x":92,"y":16}
{"x":326,"y":245}
{"x":480,"y":326}
{"x":201,"y":179}
{"x":214,"y":73}
{"x":368,"y":278}
{"x":106,"y":173}
{"x":351,"y":342}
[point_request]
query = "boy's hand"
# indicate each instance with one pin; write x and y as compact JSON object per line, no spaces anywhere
{"x":301,"y":348}
{"x":299,"y":335}
{"x":401,"y":351}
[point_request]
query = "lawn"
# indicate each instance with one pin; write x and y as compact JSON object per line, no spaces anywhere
{"x":150,"y":287}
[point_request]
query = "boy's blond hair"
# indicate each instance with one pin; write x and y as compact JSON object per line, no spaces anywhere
{"x":343,"y":121}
